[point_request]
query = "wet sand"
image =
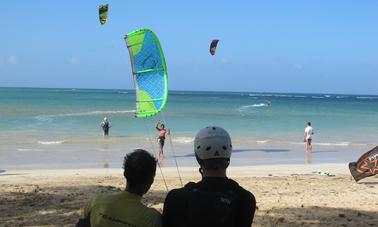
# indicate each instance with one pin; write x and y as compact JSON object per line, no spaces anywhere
{"x":287,"y":195}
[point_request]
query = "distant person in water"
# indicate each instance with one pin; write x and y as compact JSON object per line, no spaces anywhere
{"x":105,"y":125}
{"x":309,"y":131}
{"x":161,"y":139}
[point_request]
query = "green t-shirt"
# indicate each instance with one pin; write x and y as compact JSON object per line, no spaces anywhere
{"x":121,"y":209}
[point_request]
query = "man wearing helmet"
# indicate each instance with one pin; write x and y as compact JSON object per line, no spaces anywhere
{"x":215,"y":200}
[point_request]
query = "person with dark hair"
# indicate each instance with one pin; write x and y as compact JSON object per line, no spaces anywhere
{"x":215,"y":200}
{"x":125,"y":208}
{"x":161,"y":139}
{"x":309,"y":131}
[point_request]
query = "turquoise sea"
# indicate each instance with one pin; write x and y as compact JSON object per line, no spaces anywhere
{"x":59,"y":128}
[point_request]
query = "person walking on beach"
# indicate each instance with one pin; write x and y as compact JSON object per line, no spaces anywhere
{"x":125,"y":208}
{"x":309,"y":131}
{"x":216,"y":200}
{"x":160,"y":127}
{"x":105,"y":125}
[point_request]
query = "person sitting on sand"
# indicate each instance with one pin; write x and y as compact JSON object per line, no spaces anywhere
{"x":125,"y":208}
{"x":161,"y":139}
{"x":215,"y":200}
{"x":105,"y":125}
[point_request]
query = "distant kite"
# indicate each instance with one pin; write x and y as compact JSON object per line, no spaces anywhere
{"x":103,"y":13}
{"x":213,"y":46}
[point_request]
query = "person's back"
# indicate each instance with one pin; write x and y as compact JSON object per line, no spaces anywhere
{"x":216,"y":200}
{"x":125,"y":208}
{"x":120,"y":209}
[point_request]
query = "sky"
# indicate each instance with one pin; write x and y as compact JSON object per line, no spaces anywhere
{"x":313,"y":46}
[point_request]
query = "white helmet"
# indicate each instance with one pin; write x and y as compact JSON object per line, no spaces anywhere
{"x":212,"y":142}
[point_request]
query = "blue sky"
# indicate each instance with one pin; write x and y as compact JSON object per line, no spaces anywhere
{"x":265,"y":46}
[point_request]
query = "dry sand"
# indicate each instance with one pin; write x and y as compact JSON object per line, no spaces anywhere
{"x":287,"y":195}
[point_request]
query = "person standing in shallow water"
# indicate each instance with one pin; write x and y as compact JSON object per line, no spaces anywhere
{"x":161,"y":139}
{"x":309,"y":131}
{"x":105,"y":125}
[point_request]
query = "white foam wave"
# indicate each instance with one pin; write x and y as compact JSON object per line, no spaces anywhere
{"x":317,"y":97}
{"x":262,"y":141}
{"x":262,"y":95}
{"x":327,"y":96}
{"x":97,"y":112}
{"x":366,"y":97}
{"x":252,"y":106}
{"x":341,"y":97}
{"x":324,"y":144}
{"x":184,"y":140}
{"x":26,"y":149}
{"x":300,"y":96}
{"x":333,"y":144}
{"x":50,"y":142}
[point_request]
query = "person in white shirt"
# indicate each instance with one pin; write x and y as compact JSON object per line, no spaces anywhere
{"x":309,"y":131}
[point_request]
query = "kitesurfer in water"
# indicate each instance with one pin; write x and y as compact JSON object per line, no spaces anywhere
{"x":105,"y":125}
{"x":161,"y":139}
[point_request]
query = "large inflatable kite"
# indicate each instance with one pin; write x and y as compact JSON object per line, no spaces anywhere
{"x":149,"y":72}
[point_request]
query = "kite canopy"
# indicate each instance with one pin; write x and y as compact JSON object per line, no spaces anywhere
{"x":366,"y":166}
{"x":103,"y":13}
{"x":149,"y":72}
{"x":213,"y":46}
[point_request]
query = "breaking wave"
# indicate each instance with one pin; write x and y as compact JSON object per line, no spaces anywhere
{"x":97,"y":112}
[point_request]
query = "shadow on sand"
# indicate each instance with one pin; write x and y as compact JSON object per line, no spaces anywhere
{"x":60,"y":207}
{"x":267,"y":150}
{"x":55,"y":206}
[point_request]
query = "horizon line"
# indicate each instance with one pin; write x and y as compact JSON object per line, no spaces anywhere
{"x":262,"y":92}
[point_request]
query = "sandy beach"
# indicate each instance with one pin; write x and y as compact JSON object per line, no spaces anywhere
{"x":287,"y":195}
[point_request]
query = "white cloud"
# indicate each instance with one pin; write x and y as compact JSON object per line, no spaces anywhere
{"x":224,"y":60}
{"x":74,"y":61}
{"x":11,"y":60}
{"x":298,"y":66}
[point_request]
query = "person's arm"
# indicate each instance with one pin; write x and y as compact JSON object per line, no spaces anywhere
{"x":157,"y":126}
{"x":247,"y":210}
{"x":173,"y":213}
{"x":85,"y":216}
{"x":305,"y":135}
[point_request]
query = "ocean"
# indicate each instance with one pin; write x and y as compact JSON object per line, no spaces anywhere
{"x":60,"y":128}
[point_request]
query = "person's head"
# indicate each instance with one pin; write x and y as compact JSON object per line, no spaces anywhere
{"x":105,"y":118}
{"x":139,"y":170}
{"x":162,"y":126}
{"x":309,"y":123}
{"x":213,"y":147}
